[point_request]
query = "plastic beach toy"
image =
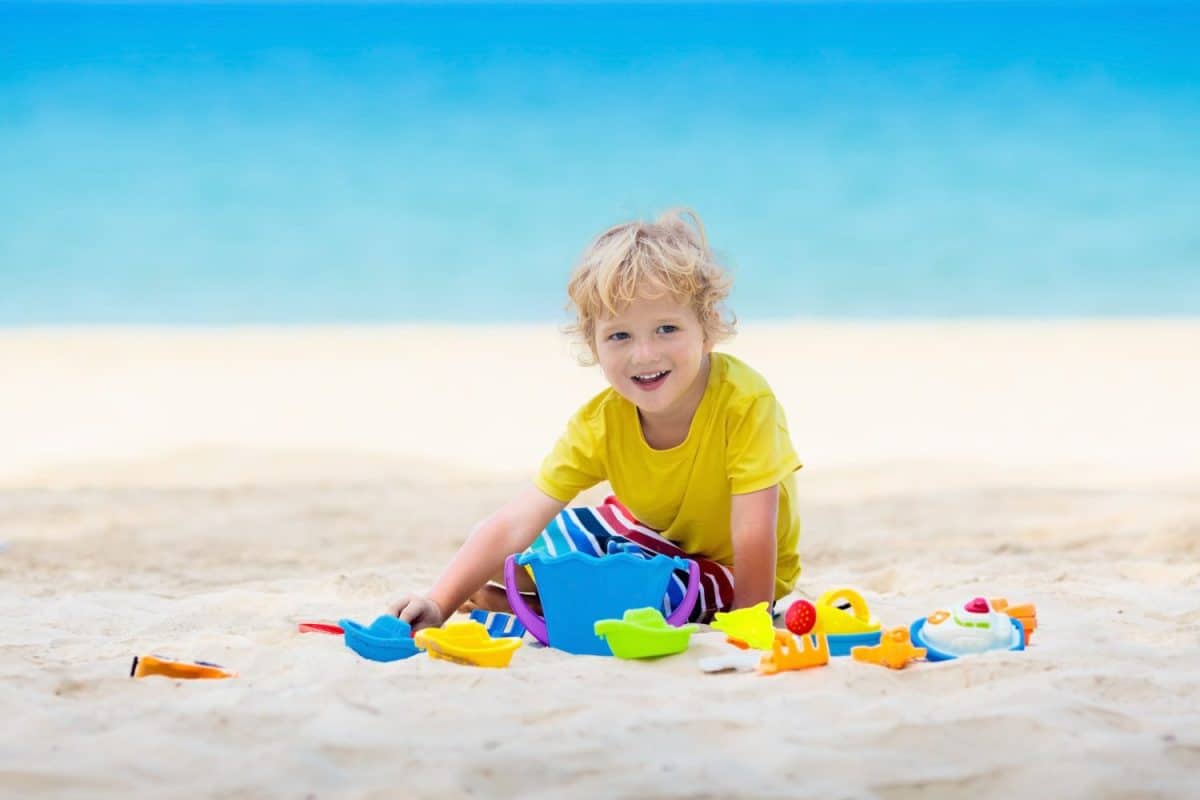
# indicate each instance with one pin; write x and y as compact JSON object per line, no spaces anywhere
{"x":644,"y":633}
{"x":842,"y":614}
{"x":751,"y":627}
{"x":894,"y":650}
{"x":499,"y":623}
{"x":843,"y":611}
{"x":1026,"y":613}
{"x":467,"y":643}
{"x":733,"y":661}
{"x":972,"y":628}
{"x":144,"y":666}
{"x":801,"y":617}
{"x":387,"y":639}
{"x":578,"y":590}
{"x":320,"y":627}
{"x":795,"y":652}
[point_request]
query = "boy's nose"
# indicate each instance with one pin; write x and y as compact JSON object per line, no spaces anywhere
{"x":645,"y":353}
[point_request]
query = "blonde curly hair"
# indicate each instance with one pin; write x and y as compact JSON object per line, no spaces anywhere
{"x":649,"y":259}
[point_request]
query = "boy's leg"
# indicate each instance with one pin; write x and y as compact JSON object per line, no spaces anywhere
{"x":590,"y":529}
{"x":716,"y":580}
{"x":574,"y":530}
{"x":716,"y":590}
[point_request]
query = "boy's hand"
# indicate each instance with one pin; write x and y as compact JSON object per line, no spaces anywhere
{"x":418,"y":611}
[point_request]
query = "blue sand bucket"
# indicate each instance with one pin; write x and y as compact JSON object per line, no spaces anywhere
{"x":578,"y":590}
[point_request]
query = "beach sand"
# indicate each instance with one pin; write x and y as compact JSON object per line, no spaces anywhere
{"x":197,"y":492}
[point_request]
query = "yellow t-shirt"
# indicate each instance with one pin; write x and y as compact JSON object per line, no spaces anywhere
{"x":738,"y":443}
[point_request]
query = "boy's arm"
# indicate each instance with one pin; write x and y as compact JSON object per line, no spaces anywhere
{"x":752,"y":521}
{"x":509,"y":529}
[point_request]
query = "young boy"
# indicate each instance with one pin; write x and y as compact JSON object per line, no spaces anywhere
{"x":693,"y":443}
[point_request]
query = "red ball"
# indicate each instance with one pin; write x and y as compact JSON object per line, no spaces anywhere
{"x":801,"y":617}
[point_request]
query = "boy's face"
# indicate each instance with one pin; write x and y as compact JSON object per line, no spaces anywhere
{"x":653,"y":353}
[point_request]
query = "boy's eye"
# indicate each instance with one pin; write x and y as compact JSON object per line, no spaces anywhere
{"x":667,"y":328}
{"x":619,"y":335}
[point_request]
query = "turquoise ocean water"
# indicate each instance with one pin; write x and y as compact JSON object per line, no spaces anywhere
{"x":306,"y":163}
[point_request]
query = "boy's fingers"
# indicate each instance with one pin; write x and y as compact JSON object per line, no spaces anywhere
{"x":396,"y":607}
{"x":413,"y":611}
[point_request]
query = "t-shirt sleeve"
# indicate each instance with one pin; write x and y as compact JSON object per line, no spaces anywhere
{"x":759,"y":448}
{"x":575,"y":463}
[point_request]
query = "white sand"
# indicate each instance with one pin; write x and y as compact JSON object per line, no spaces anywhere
{"x":197,"y":492}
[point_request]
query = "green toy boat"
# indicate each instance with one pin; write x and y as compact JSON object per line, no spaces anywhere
{"x":644,"y":633}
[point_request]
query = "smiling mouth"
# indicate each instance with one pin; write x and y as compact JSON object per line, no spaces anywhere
{"x":651,"y":379}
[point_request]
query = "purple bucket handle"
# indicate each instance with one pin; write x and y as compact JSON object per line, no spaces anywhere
{"x":536,"y":625}
{"x":680,"y":615}
{"x":533,"y":623}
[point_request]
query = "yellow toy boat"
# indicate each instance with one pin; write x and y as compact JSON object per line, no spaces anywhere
{"x":894,"y":650}
{"x":467,"y":643}
{"x":786,"y":654}
{"x":750,"y":625}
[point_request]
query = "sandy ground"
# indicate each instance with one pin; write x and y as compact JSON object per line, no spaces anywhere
{"x":196,"y":493}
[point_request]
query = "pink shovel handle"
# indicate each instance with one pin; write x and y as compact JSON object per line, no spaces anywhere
{"x":680,"y":615}
{"x":533,"y":623}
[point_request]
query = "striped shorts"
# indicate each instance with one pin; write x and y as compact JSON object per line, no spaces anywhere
{"x":589,"y":529}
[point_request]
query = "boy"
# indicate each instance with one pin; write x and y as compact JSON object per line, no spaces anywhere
{"x":693,"y":443}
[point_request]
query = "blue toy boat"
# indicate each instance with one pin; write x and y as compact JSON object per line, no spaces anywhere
{"x":387,"y":639}
{"x":577,"y":591}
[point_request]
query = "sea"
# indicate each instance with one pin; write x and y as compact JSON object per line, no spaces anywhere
{"x":298,"y":163}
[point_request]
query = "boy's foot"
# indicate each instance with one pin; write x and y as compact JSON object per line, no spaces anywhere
{"x":493,"y":598}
